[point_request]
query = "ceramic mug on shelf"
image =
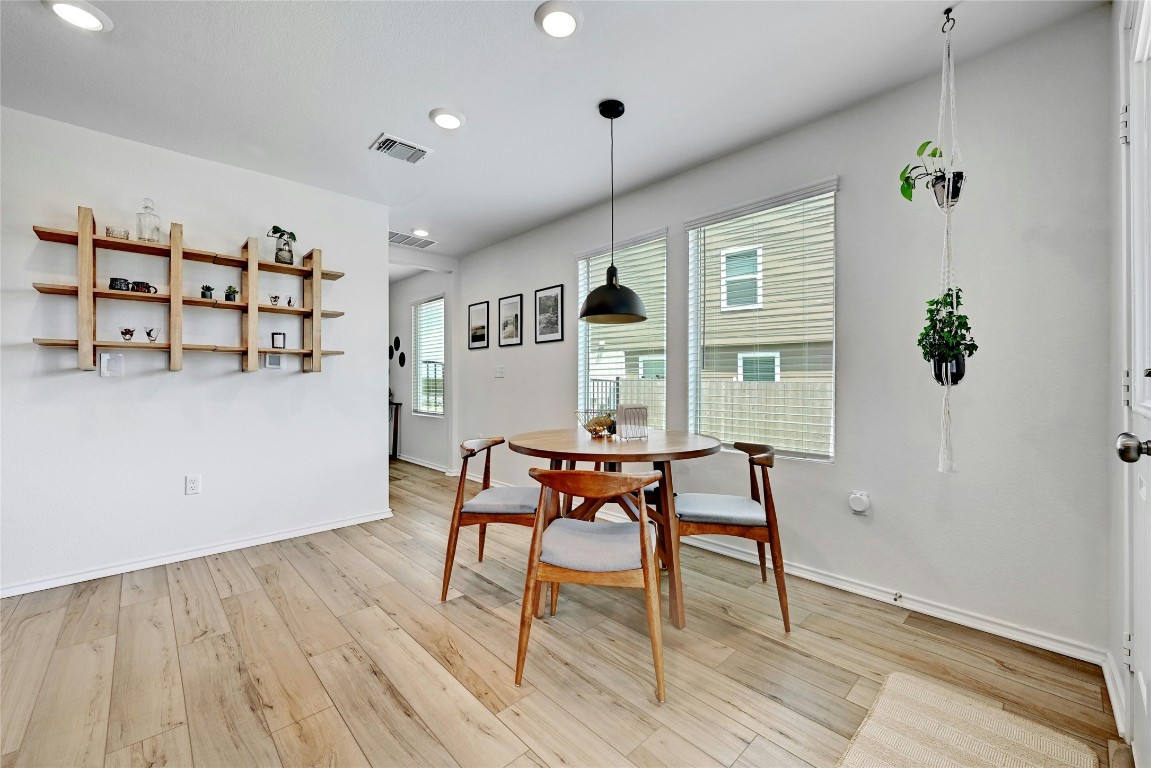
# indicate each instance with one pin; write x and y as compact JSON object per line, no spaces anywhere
{"x":142,"y":287}
{"x":127,"y":333}
{"x":274,"y":299}
{"x":118,"y":284}
{"x":153,"y":334}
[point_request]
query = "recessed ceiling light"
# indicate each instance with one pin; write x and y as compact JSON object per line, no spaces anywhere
{"x":445,"y":118}
{"x":420,"y":232}
{"x":557,"y":18}
{"x":81,"y":14}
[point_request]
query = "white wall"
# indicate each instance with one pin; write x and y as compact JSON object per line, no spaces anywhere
{"x":1016,"y":540}
{"x":93,"y":468}
{"x":423,"y":438}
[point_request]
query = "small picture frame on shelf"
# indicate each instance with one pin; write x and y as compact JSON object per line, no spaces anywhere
{"x":550,"y":314}
{"x":279,"y":340}
{"x":478,"y":325}
{"x":511,"y":316}
{"x":273,"y":360}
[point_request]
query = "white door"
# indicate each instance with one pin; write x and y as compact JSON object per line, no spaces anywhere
{"x":1137,"y":63}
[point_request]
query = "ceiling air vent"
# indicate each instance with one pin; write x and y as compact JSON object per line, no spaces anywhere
{"x":411,"y":241}
{"x":399,"y":149}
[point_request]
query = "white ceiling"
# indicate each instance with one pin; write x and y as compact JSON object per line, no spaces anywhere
{"x":300,"y":89}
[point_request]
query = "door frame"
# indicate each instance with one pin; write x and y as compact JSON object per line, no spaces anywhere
{"x":1133,"y":59}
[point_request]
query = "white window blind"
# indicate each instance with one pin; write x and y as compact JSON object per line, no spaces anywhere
{"x":428,"y":356}
{"x":762,"y":324}
{"x":625,"y":363}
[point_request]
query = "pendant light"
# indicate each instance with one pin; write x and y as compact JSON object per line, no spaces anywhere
{"x":612,"y":302}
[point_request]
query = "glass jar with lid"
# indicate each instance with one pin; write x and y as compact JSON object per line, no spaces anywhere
{"x":147,"y":223}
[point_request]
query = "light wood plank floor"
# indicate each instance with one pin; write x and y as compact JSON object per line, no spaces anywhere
{"x":333,"y":649}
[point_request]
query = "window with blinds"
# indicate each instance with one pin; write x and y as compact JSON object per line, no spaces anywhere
{"x":762,"y":323}
{"x":428,"y":356}
{"x":626,"y":363}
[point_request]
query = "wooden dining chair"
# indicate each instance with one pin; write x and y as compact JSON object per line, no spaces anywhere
{"x":491,"y":505}
{"x":581,"y":551}
{"x":749,"y":518}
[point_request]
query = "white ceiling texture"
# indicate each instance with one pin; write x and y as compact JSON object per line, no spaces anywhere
{"x":300,"y":89}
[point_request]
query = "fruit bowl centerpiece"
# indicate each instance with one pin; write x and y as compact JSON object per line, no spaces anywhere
{"x":598,"y":423}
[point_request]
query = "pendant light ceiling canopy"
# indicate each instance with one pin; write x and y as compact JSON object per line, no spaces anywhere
{"x":612,"y":302}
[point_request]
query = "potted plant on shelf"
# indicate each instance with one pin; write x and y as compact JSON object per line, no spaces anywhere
{"x":284,"y":240}
{"x":206,"y":291}
{"x":946,"y":340}
{"x":931,"y":171}
{"x":230,"y":293}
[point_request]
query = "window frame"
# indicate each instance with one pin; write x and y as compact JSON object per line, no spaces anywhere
{"x":725,"y":278}
{"x":698,"y":335}
{"x":756,"y":353}
{"x":416,"y":408}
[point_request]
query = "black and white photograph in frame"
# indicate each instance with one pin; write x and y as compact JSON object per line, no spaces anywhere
{"x":478,"y":325}
{"x":511,"y":320}
{"x":550,"y":314}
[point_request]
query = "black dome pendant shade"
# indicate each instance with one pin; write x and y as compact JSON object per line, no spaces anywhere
{"x":612,"y":302}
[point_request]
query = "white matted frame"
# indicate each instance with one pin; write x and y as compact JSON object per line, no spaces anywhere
{"x":550,"y":314}
{"x":478,"y":325}
{"x":510,"y":326}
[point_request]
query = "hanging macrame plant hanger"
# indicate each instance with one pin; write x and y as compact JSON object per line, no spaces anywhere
{"x":946,"y":195}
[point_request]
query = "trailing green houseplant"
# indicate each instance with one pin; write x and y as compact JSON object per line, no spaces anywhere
{"x":931,"y":171}
{"x":946,"y":340}
{"x":284,"y":240}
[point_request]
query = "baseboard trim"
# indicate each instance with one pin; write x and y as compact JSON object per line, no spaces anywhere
{"x":175,"y":557}
{"x":428,"y":464}
{"x":1047,"y":641}
{"x":1116,"y":678}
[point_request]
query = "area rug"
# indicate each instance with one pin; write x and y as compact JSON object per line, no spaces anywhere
{"x":916,"y":723}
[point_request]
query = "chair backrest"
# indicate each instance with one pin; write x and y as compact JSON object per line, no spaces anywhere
{"x":594,"y":488}
{"x":762,"y":456}
{"x":468,"y":449}
{"x":593,"y":485}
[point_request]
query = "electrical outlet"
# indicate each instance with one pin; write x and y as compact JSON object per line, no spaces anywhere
{"x":191,"y":485}
{"x":499,"y":371}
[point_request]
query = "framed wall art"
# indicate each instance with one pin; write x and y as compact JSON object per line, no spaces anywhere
{"x":550,"y":314}
{"x":511,"y":320}
{"x":478,"y":325}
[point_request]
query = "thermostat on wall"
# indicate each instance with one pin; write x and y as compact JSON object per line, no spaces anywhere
{"x":111,"y":364}
{"x":273,"y":360}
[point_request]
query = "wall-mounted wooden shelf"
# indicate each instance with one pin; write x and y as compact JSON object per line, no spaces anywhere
{"x":86,"y":292}
{"x":189,"y":301}
{"x":156,"y":249}
{"x":164,"y":347}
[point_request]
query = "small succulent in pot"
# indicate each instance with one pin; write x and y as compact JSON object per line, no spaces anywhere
{"x":206,"y":291}
{"x":230,"y":293}
{"x":946,"y":340}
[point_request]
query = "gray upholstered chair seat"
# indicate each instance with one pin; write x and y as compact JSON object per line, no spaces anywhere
{"x":720,"y":509}
{"x":501,"y":500}
{"x":582,"y":545}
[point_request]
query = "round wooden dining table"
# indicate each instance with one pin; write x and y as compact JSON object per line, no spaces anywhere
{"x":565,"y":447}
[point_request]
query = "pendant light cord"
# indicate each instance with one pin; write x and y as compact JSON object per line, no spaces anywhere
{"x":612,"y":132}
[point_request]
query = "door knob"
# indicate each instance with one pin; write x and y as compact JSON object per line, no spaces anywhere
{"x":1130,"y":449}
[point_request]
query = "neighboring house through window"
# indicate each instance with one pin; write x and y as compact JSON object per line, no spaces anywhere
{"x":626,"y":363}
{"x":742,"y":283}
{"x":428,"y":356}
{"x":758,"y":366}
{"x":761,"y":325}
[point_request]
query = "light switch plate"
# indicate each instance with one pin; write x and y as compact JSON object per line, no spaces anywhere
{"x":111,"y":365}
{"x":499,"y":371}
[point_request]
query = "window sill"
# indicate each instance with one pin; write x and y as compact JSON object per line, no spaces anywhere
{"x":428,"y":415}
{"x":787,"y":456}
